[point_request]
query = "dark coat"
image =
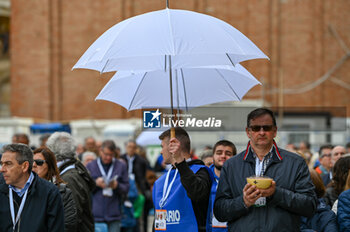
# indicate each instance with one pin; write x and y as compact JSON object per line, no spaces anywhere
{"x":331,"y":196}
{"x":324,"y":219}
{"x":344,"y":211}
{"x":294,"y":195}
{"x":326,"y":178}
{"x":2,"y":181}
{"x":107,"y":209}
{"x":80,"y":182}
{"x":70,"y":209}
{"x":43,"y":209}
{"x":139,"y":170}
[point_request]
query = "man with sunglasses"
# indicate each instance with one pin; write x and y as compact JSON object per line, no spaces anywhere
{"x":28,"y":203}
{"x":279,"y":207}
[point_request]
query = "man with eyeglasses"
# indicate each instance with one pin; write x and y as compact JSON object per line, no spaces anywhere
{"x":325,"y":160}
{"x":325,"y":153}
{"x":334,"y":154}
{"x":111,"y":177}
{"x":28,"y":203}
{"x":290,"y":196}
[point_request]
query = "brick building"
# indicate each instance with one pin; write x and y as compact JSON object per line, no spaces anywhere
{"x":307,"y":41}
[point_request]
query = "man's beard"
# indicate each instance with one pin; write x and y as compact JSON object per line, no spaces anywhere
{"x":217,"y":166}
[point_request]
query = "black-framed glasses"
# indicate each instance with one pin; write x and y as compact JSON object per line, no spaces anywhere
{"x":39,"y":162}
{"x":257,"y":128}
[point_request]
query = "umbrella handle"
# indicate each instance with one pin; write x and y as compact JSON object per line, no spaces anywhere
{"x":172,"y":132}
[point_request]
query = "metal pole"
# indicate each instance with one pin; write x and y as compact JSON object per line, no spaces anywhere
{"x":167,"y":3}
{"x":172,"y":131}
{"x":171,"y":86}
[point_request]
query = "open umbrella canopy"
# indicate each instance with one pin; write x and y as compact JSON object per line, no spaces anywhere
{"x":192,"y":87}
{"x":175,"y":38}
{"x":149,"y":137}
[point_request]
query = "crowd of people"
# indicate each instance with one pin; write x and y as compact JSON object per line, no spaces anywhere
{"x":63,"y":187}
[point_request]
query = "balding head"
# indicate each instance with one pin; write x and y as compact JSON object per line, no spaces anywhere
{"x":337,"y":153}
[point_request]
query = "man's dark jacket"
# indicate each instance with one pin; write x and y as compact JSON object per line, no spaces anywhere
{"x":70,"y":209}
{"x":43,"y":209}
{"x":2,"y":181}
{"x":139,"y":170}
{"x":80,"y":182}
{"x":294,"y":196}
{"x":331,"y":196}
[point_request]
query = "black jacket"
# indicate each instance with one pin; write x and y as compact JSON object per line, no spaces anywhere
{"x":80,"y":182}
{"x":43,"y":209}
{"x":294,"y":196}
{"x":2,"y":181}
{"x":198,"y":189}
{"x":139,"y":170}
{"x":331,"y":196}
{"x":70,"y":209}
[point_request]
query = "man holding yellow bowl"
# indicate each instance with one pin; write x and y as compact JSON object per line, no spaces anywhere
{"x":264,"y":188}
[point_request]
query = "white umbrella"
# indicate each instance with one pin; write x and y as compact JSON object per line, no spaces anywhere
{"x":192,"y":87}
{"x":168,"y":38}
{"x":149,"y":138}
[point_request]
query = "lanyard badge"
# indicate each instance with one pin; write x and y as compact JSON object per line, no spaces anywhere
{"x":12,"y":209}
{"x":108,"y":192}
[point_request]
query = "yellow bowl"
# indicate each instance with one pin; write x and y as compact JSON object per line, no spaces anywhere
{"x":260,"y":182}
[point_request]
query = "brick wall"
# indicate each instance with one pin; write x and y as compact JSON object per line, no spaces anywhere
{"x":49,"y":36}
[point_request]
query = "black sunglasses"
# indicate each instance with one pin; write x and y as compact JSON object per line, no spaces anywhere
{"x":257,"y":128}
{"x":39,"y":162}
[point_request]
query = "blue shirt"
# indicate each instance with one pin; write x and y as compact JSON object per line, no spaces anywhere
{"x":20,"y":192}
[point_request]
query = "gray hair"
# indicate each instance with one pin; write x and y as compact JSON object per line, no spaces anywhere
{"x":23,"y":153}
{"x":86,"y":154}
{"x":205,"y":154}
{"x":62,"y":145}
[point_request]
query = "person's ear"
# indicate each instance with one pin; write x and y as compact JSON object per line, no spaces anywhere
{"x":25,"y":166}
{"x":275,"y":132}
{"x":247,"y":132}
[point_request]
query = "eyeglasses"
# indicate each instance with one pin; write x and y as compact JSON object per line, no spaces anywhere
{"x":328,"y":155}
{"x":39,"y":162}
{"x":257,"y":128}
